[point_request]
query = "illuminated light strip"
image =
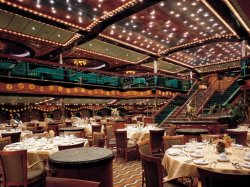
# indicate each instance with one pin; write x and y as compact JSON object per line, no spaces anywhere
{"x":103,"y":55}
{"x":197,"y":42}
{"x":30,"y":37}
{"x":76,"y":36}
{"x":236,"y":65}
{"x":231,"y":7}
{"x":122,"y":42}
{"x":43,"y":15}
{"x":178,"y":62}
{"x":112,"y":13}
{"x":218,"y":16}
{"x":217,"y":63}
{"x":62,"y":44}
{"x":206,"y":71}
{"x":171,"y":72}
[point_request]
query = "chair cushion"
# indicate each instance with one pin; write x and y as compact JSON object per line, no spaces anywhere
{"x":131,"y":145}
{"x":34,"y":175}
{"x":112,"y":142}
{"x":131,"y":142}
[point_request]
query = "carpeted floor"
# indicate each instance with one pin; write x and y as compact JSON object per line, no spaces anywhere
{"x":127,"y":174}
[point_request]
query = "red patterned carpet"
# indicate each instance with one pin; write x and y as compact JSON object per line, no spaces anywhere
{"x":127,"y":174}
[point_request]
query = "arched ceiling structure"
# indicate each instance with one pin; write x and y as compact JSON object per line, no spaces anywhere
{"x":115,"y":36}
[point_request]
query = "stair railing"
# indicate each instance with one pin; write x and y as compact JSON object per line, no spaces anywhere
{"x":192,"y":87}
{"x":165,"y":105}
{"x":210,"y":91}
{"x":233,"y":81}
{"x":185,"y":104}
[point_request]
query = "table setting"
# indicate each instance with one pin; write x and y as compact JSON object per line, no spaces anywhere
{"x":183,"y":160}
{"x":40,"y":148}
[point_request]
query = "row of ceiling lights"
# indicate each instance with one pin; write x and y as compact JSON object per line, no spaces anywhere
{"x":200,"y":12}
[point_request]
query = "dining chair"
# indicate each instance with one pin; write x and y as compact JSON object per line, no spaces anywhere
{"x":169,"y":141}
{"x":54,"y":128}
{"x":31,"y":126}
{"x":221,"y":129}
{"x":17,"y":173}
{"x":15,"y":136}
{"x":124,"y":147}
{"x":98,"y":139}
{"x":144,"y":147}
{"x":109,"y":137}
{"x":63,"y":147}
{"x":67,"y":182}
{"x":172,"y":129}
{"x":211,"y":178}
{"x":154,"y":176}
{"x":94,"y":128}
{"x":68,"y":123}
{"x":4,"y":141}
{"x":156,"y":142}
{"x":239,"y":136}
{"x":37,"y":131}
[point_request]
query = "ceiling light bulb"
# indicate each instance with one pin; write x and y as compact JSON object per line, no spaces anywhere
{"x":162,"y":4}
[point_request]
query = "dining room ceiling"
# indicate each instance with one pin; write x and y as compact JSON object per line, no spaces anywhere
{"x":182,"y":35}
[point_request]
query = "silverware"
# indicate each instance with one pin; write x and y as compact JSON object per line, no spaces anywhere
{"x":236,"y":165}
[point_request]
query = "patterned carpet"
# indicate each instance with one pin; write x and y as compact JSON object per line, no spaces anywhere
{"x":127,"y":174}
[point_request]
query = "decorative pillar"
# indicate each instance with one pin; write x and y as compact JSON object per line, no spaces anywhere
{"x":191,"y":77}
{"x":243,"y":48}
{"x":60,"y":59}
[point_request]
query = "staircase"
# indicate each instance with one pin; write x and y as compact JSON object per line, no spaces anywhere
{"x":219,"y":98}
{"x":169,"y":107}
{"x":196,"y":101}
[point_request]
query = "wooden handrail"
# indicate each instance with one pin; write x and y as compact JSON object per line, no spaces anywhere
{"x":170,"y":100}
{"x":233,"y":81}
{"x":207,"y":98}
{"x":192,"y":87}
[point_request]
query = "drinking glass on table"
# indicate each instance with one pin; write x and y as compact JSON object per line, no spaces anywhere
{"x":205,"y":140}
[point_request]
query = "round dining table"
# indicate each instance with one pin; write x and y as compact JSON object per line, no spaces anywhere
{"x":181,"y":161}
{"x":40,"y":148}
{"x":88,"y":163}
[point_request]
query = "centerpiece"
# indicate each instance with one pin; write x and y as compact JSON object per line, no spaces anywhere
{"x":223,"y":143}
{"x":190,"y":112}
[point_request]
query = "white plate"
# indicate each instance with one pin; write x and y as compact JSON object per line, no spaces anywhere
{"x":245,"y":165}
{"x":247,"y":159}
{"x":173,"y":152}
{"x":196,"y":156}
{"x":223,"y":159}
{"x":201,"y":162}
{"x":189,"y":150}
{"x":177,"y":146}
